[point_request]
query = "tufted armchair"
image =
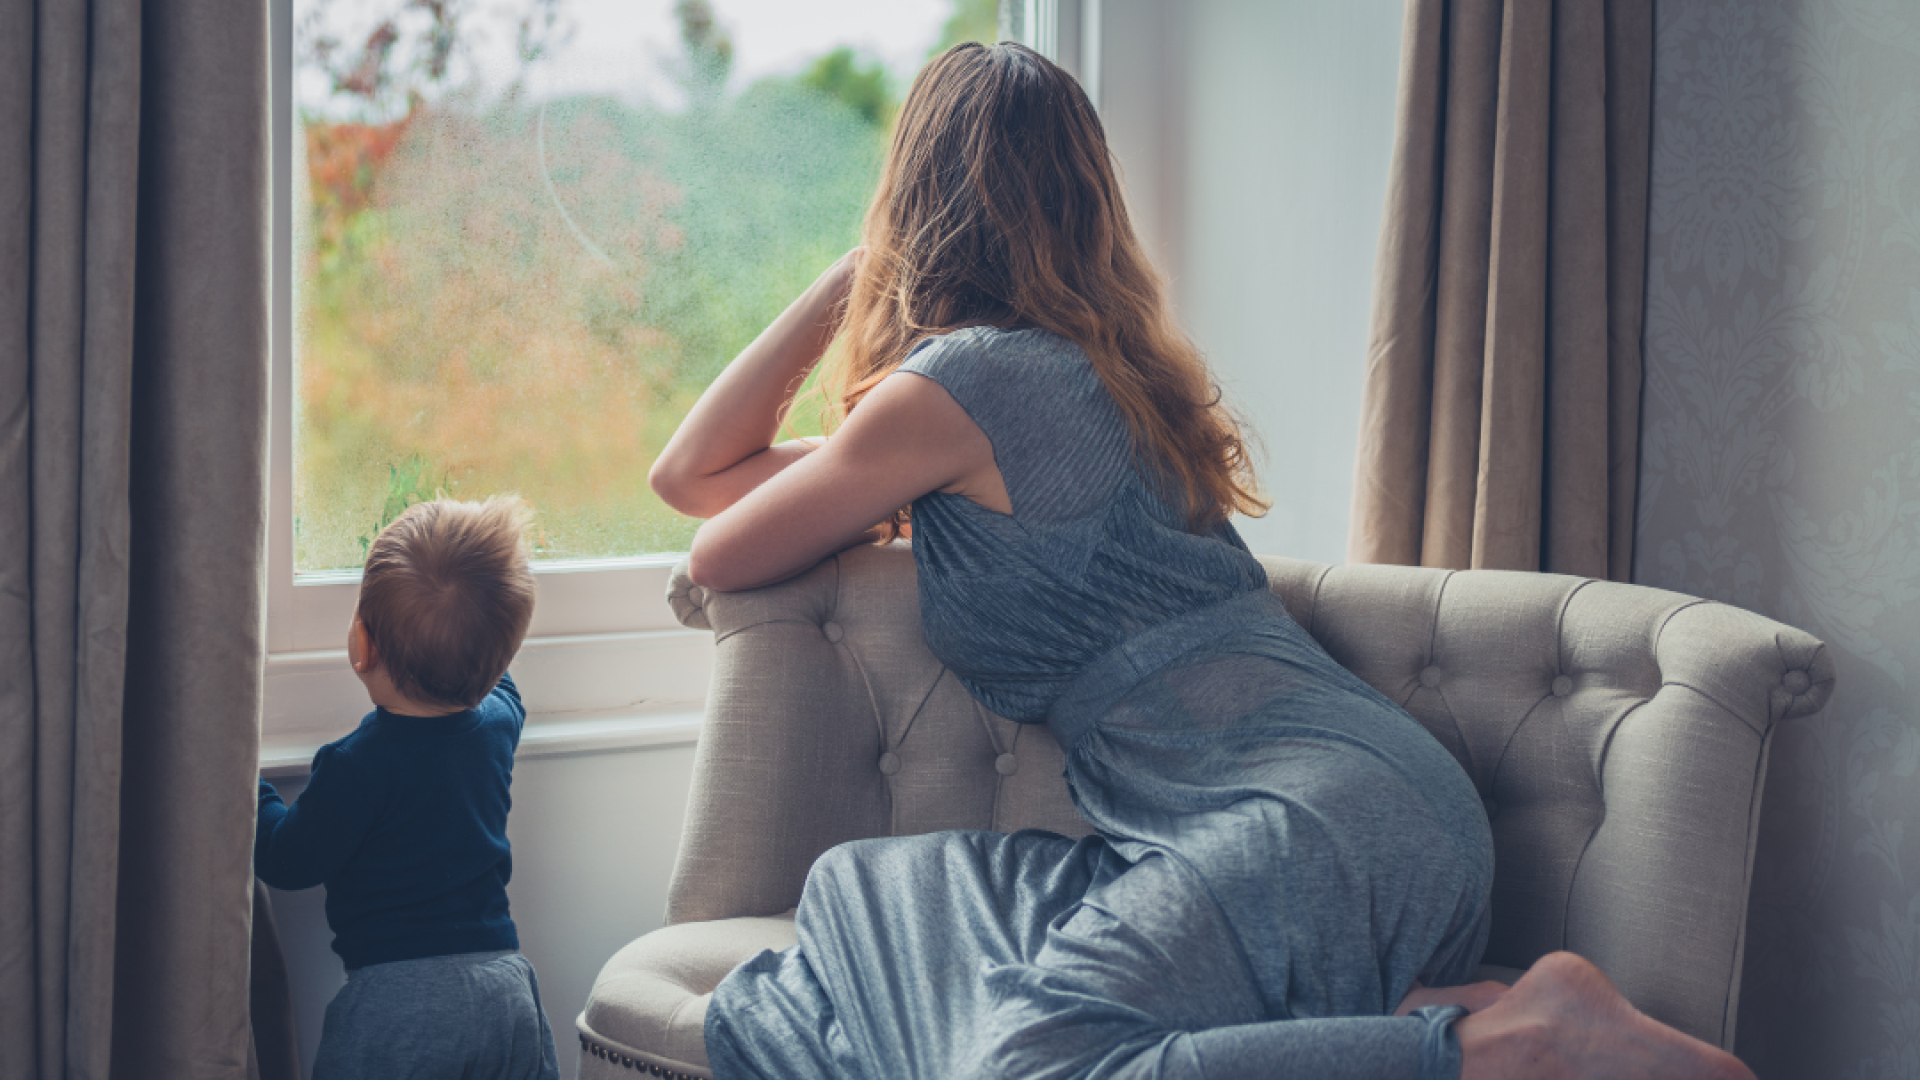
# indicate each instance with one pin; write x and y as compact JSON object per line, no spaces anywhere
{"x":1618,"y":734}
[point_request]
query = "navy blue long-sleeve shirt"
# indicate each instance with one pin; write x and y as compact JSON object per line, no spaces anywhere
{"x":405,"y":822}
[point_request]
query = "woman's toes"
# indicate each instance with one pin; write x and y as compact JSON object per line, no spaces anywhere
{"x":1571,"y":1014}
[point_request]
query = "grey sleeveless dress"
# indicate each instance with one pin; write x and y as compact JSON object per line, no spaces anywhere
{"x":1281,"y":851}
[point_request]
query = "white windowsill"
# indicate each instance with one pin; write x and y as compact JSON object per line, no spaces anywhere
{"x":550,"y":735}
{"x":585,"y":693}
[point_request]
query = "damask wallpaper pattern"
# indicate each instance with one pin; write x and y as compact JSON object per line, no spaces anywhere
{"x":1781,"y":472}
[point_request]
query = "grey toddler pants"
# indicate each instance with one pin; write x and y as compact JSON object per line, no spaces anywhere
{"x":472,"y":1016}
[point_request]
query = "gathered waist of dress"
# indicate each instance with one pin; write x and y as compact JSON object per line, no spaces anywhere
{"x":1101,"y":684}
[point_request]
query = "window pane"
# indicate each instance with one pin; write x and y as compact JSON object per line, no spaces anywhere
{"x":537,"y":229}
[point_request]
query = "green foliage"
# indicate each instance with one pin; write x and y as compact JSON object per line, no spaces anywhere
{"x":530,"y":296}
{"x":771,"y":187}
{"x":504,"y":294}
{"x":861,"y":86}
{"x":972,"y":20}
{"x":707,"y":52}
{"x":413,"y":480}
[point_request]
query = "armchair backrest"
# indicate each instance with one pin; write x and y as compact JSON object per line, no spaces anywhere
{"x":1617,"y":733}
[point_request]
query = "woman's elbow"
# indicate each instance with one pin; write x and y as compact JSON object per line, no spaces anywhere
{"x":672,"y":484}
{"x":711,"y":569}
{"x":704,"y":574}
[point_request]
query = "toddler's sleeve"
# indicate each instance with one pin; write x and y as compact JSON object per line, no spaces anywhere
{"x":504,"y":703}
{"x":300,"y":846}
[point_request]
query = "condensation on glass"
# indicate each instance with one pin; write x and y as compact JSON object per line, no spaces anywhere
{"x":534,"y":231}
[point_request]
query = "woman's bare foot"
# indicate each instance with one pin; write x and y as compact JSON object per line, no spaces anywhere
{"x":1565,"y":1019}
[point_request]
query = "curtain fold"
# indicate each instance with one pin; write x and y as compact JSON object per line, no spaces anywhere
{"x":276,"y":1044}
{"x":133,"y":379}
{"x":1500,"y":415}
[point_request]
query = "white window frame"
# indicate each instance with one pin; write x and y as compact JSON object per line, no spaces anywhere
{"x":1066,"y":32}
{"x":606,"y":665}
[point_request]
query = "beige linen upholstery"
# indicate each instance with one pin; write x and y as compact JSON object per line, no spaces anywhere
{"x":1618,"y":734}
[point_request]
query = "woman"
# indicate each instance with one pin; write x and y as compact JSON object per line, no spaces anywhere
{"x":1284,"y":858}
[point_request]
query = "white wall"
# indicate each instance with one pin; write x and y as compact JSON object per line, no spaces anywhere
{"x":594,"y":838}
{"x":1255,"y":137}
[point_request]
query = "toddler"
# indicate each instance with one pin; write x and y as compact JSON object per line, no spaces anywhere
{"x":405,"y":820}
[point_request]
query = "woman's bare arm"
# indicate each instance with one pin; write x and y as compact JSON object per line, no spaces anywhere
{"x":907,"y":437}
{"x":724,"y":448}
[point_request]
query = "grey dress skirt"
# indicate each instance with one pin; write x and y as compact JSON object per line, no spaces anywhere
{"x":1280,"y":850}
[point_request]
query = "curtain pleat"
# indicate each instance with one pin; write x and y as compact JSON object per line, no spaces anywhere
{"x":1500,"y":413}
{"x":20,"y":992}
{"x":276,"y":1045}
{"x":133,"y":367}
{"x":1629,"y":82}
{"x":1465,"y":223}
{"x":199,"y":453}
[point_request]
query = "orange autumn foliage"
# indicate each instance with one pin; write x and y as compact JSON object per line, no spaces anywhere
{"x":342,"y":161}
{"x":464,"y":322}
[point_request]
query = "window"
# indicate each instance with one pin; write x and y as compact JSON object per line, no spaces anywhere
{"x":514,"y":241}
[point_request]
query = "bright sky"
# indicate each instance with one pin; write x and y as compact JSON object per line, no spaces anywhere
{"x":617,"y":45}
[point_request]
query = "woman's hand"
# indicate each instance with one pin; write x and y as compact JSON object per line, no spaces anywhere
{"x":838,"y":279}
{"x":724,"y":448}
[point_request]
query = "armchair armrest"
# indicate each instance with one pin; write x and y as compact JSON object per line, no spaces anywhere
{"x":1619,"y":737}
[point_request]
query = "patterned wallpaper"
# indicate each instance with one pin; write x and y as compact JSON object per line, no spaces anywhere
{"x":1781,"y":472}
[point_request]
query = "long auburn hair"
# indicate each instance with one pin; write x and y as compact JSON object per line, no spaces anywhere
{"x":999,"y":206}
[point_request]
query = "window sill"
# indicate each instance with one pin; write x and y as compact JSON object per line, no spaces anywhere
{"x":585,"y":693}
{"x":550,"y":735}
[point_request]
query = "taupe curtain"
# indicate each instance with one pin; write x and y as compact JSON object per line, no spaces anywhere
{"x":133,"y":404}
{"x":275,"y":1042}
{"x":1500,"y":419}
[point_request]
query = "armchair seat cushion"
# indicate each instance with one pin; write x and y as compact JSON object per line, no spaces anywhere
{"x":649,"y":1003}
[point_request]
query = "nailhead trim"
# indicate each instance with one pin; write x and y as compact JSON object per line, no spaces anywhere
{"x":588,"y":1046}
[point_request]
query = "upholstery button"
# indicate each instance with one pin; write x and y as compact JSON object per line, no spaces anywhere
{"x":1796,"y":682}
{"x":1430,"y":677}
{"x":1562,"y":686}
{"x":1006,"y":765}
{"x":831,"y":631}
{"x":889,"y":763}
